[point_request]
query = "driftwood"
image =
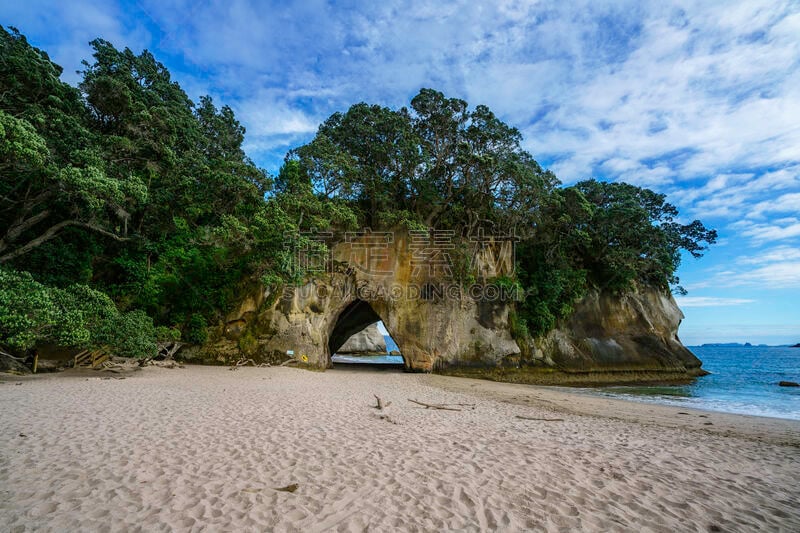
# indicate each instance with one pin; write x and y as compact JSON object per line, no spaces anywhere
{"x":381,"y":405}
{"x":168,"y":349}
{"x":434,"y":406}
{"x":12,"y":364}
{"x":540,"y":419}
{"x":6,"y":354}
{"x":166,"y":364}
{"x":244,"y":362}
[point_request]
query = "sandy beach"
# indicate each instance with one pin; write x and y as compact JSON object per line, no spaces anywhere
{"x":206,"y":448}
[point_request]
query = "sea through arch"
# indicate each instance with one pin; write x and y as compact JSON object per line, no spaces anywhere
{"x":360,"y":337}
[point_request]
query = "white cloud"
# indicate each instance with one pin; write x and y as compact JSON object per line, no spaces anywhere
{"x":770,"y":268}
{"x":272,"y":115}
{"x":780,"y":229}
{"x":779,"y":254}
{"x":786,"y":203}
{"x":779,"y":275}
{"x":709,"y":301}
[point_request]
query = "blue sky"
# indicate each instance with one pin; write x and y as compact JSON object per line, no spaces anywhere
{"x":699,"y":102}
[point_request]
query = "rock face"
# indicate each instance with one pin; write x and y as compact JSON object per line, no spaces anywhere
{"x":12,"y":366}
{"x":440,"y":325}
{"x":368,"y":341}
{"x":432,"y":319}
{"x":637,"y":331}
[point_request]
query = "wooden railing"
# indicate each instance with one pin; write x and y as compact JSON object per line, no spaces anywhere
{"x":91,"y":359}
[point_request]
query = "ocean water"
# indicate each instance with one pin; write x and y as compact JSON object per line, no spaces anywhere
{"x":374,"y":359}
{"x":743,"y":379}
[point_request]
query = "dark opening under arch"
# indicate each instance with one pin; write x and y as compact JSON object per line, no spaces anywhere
{"x":358,"y":315}
{"x":355,"y":317}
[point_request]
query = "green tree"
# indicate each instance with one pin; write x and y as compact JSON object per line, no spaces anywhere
{"x":633,"y":236}
{"x":51,"y":180}
{"x":439,"y":163}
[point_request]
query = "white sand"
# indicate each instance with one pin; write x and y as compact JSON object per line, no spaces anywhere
{"x":205,"y":448}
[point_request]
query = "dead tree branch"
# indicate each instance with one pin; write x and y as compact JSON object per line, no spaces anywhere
{"x":434,"y":406}
{"x":540,"y":419}
{"x":381,"y":405}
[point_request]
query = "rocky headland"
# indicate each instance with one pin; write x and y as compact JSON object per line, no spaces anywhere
{"x":442,"y":326}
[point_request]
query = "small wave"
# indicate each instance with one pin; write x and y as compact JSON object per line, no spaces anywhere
{"x":711,"y":404}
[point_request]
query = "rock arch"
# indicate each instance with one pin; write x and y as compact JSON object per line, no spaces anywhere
{"x":438,"y":324}
{"x":313,"y":320}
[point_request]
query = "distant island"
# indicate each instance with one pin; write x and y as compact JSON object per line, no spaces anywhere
{"x":745,"y":345}
{"x":731,"y":345}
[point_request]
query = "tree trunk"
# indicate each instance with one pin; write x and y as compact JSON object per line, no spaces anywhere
{"x":53,"y":232}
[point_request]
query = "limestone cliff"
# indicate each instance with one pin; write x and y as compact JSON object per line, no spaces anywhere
{"x":432,"y":319}
{"x":367,"y":341}
{"x":637,"y":331}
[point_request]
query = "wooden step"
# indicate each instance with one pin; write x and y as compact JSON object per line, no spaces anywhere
{"x":93,"y":358}
{"x":99,"y":359}
{"x":81,"y":358}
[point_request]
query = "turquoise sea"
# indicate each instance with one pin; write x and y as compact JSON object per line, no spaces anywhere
{"x":373,"y":359}
{"x":743,"y":379}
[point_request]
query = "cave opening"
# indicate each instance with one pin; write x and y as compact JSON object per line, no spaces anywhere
{"x":360,"y":339}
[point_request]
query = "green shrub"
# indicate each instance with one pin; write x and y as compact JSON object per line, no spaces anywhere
{"x":196,"y":332}
{"x":28,"y":313}
{"x":248,"y":343}
{"x":167,"y":334}
{"x":133,"y":335}
{"x":32,"y":313}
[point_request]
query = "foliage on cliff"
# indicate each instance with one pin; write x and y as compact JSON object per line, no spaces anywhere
{"x":123,"y":190}
{"x":440,"y":164}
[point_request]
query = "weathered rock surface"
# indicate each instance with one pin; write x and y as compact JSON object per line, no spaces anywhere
{"x":11,"y":365}
{"x":368,"y":341}
{"x":432,"y":319}
{"x":439,"y":325}
{"x":637,"y":331}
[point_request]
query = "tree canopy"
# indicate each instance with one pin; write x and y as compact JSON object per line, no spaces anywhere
{"x":438,"y":163}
